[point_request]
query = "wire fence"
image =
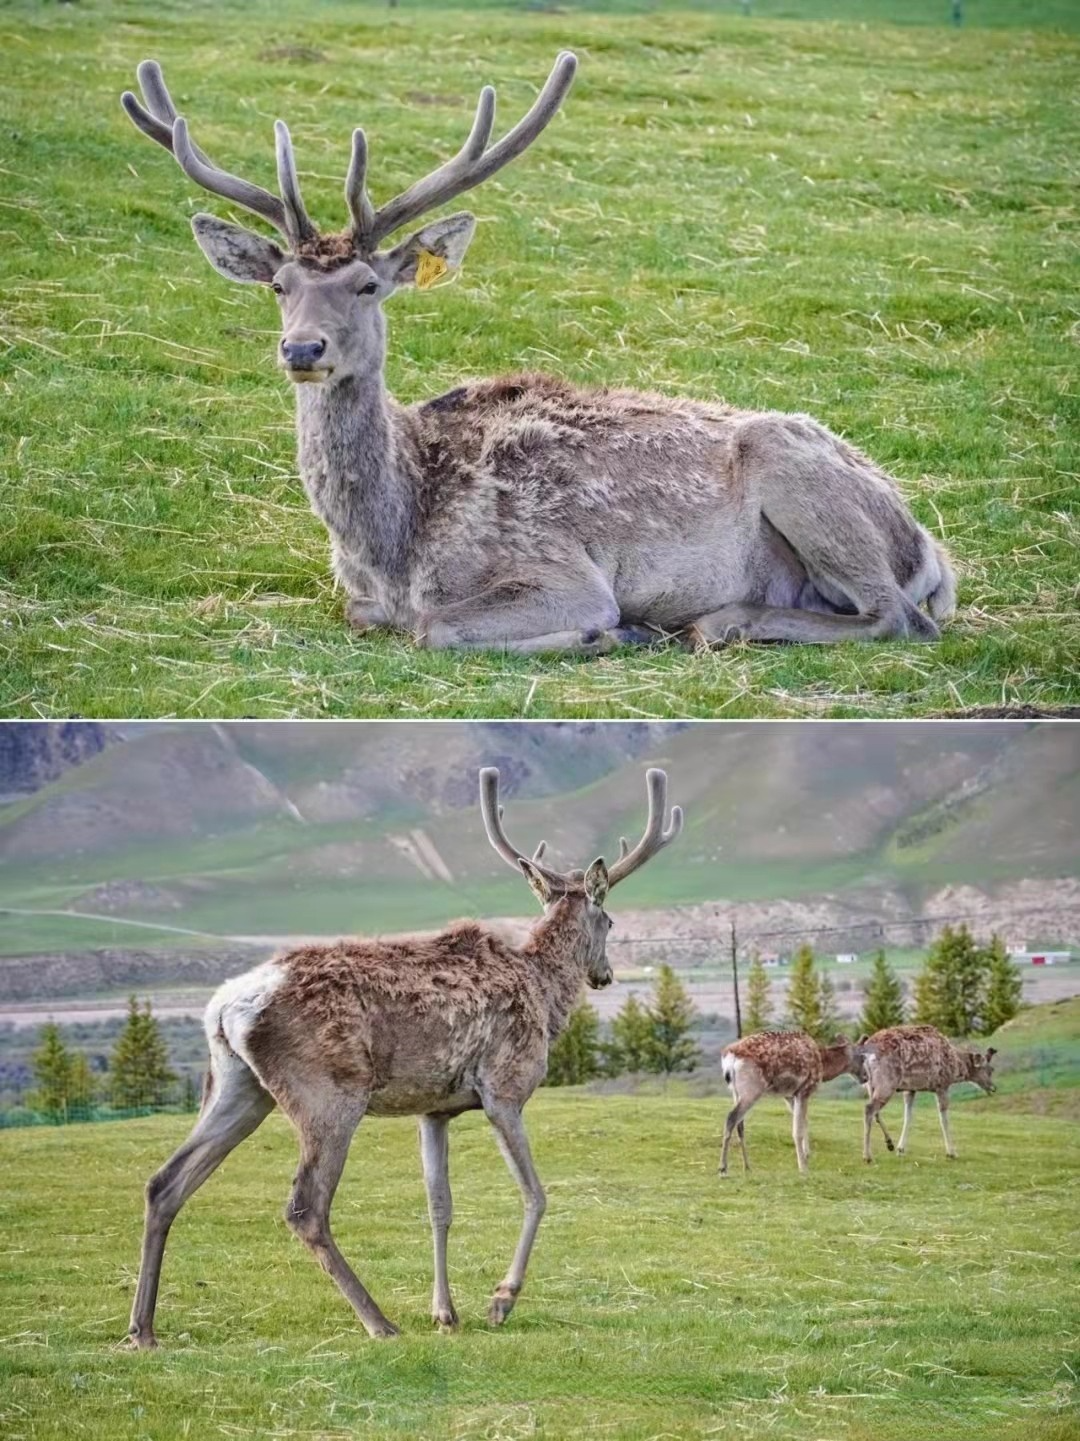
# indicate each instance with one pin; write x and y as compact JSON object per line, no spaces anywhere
{"x":16,"y":1118}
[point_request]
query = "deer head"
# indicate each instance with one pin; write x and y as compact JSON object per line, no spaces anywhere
{"x":979,"y":1069}
{"x":582,"y":894}
{"x":331,"y":286}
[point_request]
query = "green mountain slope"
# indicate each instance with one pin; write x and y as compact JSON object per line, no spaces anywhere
{"x":258,"y":829}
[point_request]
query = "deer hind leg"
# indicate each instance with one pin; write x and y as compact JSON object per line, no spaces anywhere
{"x":871,"y":1114}
{"x":514,"y":1145}
{"x":234,"y":1107}
{"x":734,"y":1122}
{"x":326,"y":1125}
{"x":852,"y":534}
{"x":909,"y":1107}
{"x":434,"y":1157}
{"x":943,"y":1117}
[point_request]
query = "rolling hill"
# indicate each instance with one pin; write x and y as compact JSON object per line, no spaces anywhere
{"x":255,"y":830}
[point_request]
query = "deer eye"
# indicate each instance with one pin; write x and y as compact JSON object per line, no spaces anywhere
{"x":369,"y":289}
{"x":276,"y":288}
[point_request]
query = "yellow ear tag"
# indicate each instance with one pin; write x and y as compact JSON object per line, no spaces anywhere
{"x":429,"y":268}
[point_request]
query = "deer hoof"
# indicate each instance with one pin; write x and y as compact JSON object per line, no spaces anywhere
{"x":385,"y":1331}
{"x":139,"y":1341}
{"x":502,"y":1303}
{"x":890,"y":1147}
{"x":446,"y":1319}
{"x":636,"y":635}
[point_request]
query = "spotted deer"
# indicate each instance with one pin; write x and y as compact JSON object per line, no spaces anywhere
{"x":917,"y":1058}
{"x":433,"y":1027}
{"x":527,"y":513}
{"x":780,"y":1063}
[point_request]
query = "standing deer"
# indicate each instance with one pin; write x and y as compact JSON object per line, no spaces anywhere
{"x":412,"y":1027}
{"x":780,"y":1063}
{"x":527,"y":513}
{"x":917,"y":1058}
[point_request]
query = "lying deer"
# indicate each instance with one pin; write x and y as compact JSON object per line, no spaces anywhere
{"x":917,"y":1058}
{"x":432,"y":1027}
{"x":780,"y":1063}
{"x":527,"y":513}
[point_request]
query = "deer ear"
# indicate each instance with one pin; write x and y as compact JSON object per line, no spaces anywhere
{"x":991,"y":1053}
{"x":537,"y":881}
{"x":236,"y":253}
{"x":596,"y":882}
{"x":432,"y":251}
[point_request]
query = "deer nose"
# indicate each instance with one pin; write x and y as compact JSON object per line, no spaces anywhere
{"x":302,"y":354}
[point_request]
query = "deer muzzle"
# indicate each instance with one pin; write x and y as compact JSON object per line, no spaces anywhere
{"x":303,"y":360}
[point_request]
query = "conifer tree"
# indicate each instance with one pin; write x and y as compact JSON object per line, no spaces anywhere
{"x":140,"y":1061}
{"x":83,"y":1085}
{"x":830,"y":1011}
{"x":628,"y":1048}
{"x":950,"y":989}
{"x":804,"y":994}
{"x":671,"y":1017}
{"x":52,"y":1065}
{"x":758,"y":998}
{"x":1004,"y":987}
{"x":883,"y":998}
{"x":574,"y":1055}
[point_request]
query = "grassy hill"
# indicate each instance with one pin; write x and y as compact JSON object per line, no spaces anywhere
{"x":867,"y":222}
{"x":912,"y":1298}
{"x":1038,"y":1069}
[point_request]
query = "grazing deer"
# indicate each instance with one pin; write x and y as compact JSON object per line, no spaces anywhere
{"x":780,"y":1063}
{"x":917,"y":1058}
{"x":412,"y":1027}
{"x":527,"y":513}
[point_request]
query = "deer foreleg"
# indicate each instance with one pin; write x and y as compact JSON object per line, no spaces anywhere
{"x":909,"y":1107}
{"x":943,"y":1117}
{"x":577,"y":613}
{"x":799,"y":1108}
{"x":514,"y":1145}
{"x":434,"y":1156}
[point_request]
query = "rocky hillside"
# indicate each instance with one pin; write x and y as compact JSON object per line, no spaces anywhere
{"x":33,"y":753}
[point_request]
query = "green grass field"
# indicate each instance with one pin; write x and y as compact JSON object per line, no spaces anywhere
{"x":872,"y":223}
{"x":911,"y":1299}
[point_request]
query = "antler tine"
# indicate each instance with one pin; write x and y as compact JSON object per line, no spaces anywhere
{"x":300,"y":227}
{"x":356,"y":196}
{"x":159,"y":120}
{"x":474,"y":162}
{"x":492,"y":814}
{"x":220,"y":182}
{"x":655,"y":837}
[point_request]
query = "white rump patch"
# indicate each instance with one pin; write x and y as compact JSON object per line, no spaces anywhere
{"x":238,"y":1004}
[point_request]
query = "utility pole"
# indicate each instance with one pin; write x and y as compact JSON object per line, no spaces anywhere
{"x":735,"y":982}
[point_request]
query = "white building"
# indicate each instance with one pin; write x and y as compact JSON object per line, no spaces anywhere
{"x":1040,"y":958}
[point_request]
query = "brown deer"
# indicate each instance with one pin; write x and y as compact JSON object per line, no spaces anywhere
{"x":431,"y":1028}
{"x":527,"y":513}
{"x":917,"y":1058}
{"x":780,"y":1063}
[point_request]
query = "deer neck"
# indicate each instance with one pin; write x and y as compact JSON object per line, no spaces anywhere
{"x":354,"y":462}
{"x":557,"y":956}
